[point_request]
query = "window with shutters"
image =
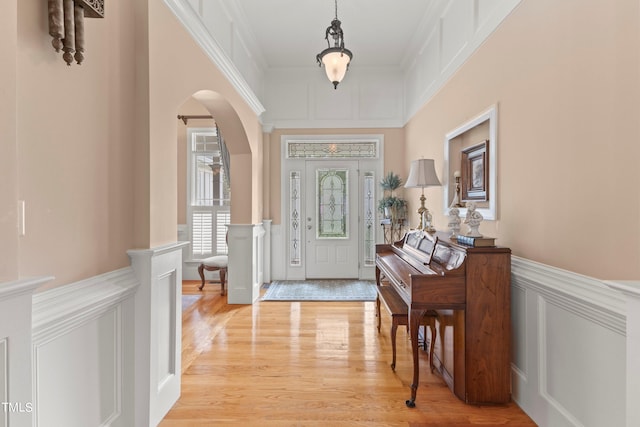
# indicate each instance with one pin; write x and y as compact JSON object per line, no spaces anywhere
{"x":208,"y":204}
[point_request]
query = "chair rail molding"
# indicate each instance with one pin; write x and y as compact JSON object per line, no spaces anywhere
{"x":60,"y":310}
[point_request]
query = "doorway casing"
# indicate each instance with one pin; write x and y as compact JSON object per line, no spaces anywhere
{"x":296,"y":151}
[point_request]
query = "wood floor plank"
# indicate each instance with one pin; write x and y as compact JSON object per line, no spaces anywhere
{"x":307,"y":364}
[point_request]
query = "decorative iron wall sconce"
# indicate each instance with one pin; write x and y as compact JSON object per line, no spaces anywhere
{"x":66,"y":25}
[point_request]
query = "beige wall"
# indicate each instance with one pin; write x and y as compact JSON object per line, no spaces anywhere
{"x":393,"y":158}
{"x":565,"y":76}
{"x":92,"y":148}
{"x":74,"y":133}
{"x":76,"y":138}
{"x":179,"y":69}
{"x":8,"y":143}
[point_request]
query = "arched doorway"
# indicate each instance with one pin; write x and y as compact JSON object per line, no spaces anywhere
{"x":243,"y":236}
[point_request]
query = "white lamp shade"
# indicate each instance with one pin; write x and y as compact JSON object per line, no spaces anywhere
{"x":422,"y":174}
{"x":335,"y":65}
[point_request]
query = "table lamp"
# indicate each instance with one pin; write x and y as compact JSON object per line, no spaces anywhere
{"x":423,"y":174}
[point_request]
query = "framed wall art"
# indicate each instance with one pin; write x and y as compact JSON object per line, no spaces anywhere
{"x":475,"y":172}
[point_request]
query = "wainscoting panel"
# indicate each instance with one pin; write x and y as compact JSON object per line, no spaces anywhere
{"x":279,"y":251}
{"x":630,"y":290}
{"x":78,"y":375}
{"x":578,"y":355}
{"x":4,"y":375}
{"x":16,"y":385}
{"x":266,"y":248}
{"x":518,"y":329}
{"x":246,"y":257}
{"x":158,"y":332}
{"x":165,"y":301}
{"x":568,"y":355}
{"x":81,"y":351}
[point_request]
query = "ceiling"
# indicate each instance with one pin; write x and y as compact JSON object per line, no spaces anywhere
{"x":289,"y":33}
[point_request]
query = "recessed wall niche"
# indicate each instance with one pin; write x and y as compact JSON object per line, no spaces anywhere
{"x":470,"y":152}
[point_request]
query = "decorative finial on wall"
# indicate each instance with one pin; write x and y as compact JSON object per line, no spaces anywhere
{"x":66,"y":25}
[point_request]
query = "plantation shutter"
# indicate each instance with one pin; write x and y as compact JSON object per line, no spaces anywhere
{"x":202,"y":234}
{"x":222,"y":219}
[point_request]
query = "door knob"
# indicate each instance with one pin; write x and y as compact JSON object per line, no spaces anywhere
{"x":308,"y":227}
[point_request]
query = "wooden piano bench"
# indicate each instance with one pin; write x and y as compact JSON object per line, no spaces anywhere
{"x":214,"y":263}
{"x":399,"y":312}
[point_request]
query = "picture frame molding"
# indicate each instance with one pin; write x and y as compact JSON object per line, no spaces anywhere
{"x":491,"y":115}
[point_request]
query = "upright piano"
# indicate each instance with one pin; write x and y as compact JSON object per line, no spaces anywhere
{"x":469,"y":288}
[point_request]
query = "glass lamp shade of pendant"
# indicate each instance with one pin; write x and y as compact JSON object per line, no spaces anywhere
{"x":336,"y":61}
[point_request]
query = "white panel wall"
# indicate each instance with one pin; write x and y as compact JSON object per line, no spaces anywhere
{"x":4,"y":381}
{"x":82,"y":352}
{"x":16,"y":392}
{"x":218,"y":21}
{"x":79,"y":375}
{"x":278,"y":253}
{"x":246,"y":258}
{"x":485,"y":10}
{"x":158,"y":332}
{"x":630,"y":289}
{"x":569,"y":347}
{"x":455,"y":26}
{"x":449,"y":34}
{"x":304,"y":98}
{"x":165,"y":299}
{"x":106,"y":350}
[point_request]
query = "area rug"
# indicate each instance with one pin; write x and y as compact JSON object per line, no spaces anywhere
{"x":321,"y":290}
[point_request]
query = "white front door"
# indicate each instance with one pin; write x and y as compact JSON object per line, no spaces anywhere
{"x":331,"y":219}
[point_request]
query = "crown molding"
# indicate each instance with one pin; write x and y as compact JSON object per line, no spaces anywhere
{"x":194,"y":26}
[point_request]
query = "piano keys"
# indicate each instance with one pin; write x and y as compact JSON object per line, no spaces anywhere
{"x":469,"y":288}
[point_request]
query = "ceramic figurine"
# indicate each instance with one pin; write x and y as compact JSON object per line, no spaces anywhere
{"x":473,"y":220}
{"x":454,"y":222}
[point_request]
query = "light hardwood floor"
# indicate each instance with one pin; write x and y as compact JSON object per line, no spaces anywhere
{"x":306,"y":364}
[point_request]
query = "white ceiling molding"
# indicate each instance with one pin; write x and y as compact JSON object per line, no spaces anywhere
{"x":194,"y":25}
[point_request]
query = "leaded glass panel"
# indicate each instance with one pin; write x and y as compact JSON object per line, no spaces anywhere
{"x":332,"y":203}
{"x":325,"y":150}
{"x":369,"y":219}
{"x":295,"y":257}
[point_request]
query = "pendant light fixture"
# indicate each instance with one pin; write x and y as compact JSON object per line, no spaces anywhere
{"x":336,"y":59}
